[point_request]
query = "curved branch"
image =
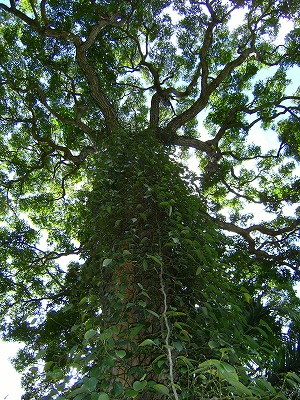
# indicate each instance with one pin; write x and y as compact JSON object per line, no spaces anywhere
{"x":201,"y":102}
{"x":43,"y":12}
{"x":208,"y":37}
{"x":245,"y":233}
{"x":240,"y":195}
{"x":67,"y":154}
{"x":197,"y":144}
{"x":154,"y":111}
{"x":97,"y":93}
{"x":109,"y":20}
{"x":90,"y":74}
{"x":189,"y":88}
{"x":271,"y":232}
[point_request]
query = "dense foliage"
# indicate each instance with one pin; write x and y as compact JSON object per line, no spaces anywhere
{"x":125,"y":274}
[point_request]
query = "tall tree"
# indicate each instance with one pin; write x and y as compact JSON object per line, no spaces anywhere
{"x":178,"y":291}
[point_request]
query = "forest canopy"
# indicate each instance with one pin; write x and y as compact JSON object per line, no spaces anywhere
{"x":181,"y":283}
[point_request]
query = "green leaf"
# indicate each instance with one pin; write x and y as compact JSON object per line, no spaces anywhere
{"x":48,"y":365}
{"x":80,"y":396}
{"x":186,"y":360}
{"x":142,"y":303}
{"x":212,"y":344}
{"x":106,"y":334}
{"x":178,"y":346}
{"x":83,"y":300}
{"x":156,"y":259}
{"x":118,"y":389}
{"x":90,"y":383}
{"x":134,"y":331}
{"x":95,"y":372}
{"x":230,"y":375}
{"x":247,"y":297}
{"x":131,"y":393}
{"x":120,"y":353}
{"x":143,"y":293}
{"x":107,"y":262}
{"x":147,"y":342}
{"x":89,"y":334}
{"x":262,"y":331}
{"x":153,"y":313}
{"x":103,"y":396}
{"x":239,"y":387}
{"x":207,"y":365}
{"x":145,"y":265}
{"x":266,"y":386}
{"x":40,"y":354}
{"x":175,"y":313}
{"x":263,"y":323}
{"x":158,"y":387}
{"x":199,"y":270}
{"x":293,"y":376}
{"x":79,"y":391}
{"x":138,"y":386}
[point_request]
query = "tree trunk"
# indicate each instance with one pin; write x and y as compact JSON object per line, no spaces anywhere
{"x":130,"y":210}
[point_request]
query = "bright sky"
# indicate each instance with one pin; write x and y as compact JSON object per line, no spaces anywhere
{"x":10,"y":380}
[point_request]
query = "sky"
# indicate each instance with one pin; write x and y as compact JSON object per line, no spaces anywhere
{"x":10,"y":381}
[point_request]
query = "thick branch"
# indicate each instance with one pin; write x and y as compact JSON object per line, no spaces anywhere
{"x":203,"y":54}
{"x":98,"y":95}
{"x":202,"y":101}
{"x":111,"y":20}
{"x":90,"y":73}
{"x":13,"y":10}
{"x":272,"y":232}
{"x":245,"y":233}
{"x":193,"y":143}
{"x":154,"y":111}
{"x":67,"y":154}
{"x":189,"y":88}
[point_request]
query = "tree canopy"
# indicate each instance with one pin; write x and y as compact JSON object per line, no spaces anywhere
{"x":181,"y":284}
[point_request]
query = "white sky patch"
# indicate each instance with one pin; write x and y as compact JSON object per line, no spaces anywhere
{"x":10,"y":380}
{"x":285,"y":27}
{"x":236,"y":18}
{"x":267,"y":140}
{"x":175,"y":17}
{"x":193,"y":162}
{"x":64,"y":261}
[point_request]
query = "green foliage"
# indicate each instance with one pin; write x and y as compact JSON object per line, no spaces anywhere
{"x":117,"y":271}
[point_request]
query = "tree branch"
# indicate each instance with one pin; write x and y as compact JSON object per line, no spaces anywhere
{"x":92,"y":78}
{"x":67,"y":154}
{"x":110,"y":20}
{"x":201,"y":102}
{"x":189,"y":88}
{"x":197,"y":144}
{"x":245,"y":233}
{"x":97,"y":94}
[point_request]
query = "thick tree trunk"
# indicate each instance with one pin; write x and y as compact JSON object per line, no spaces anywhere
{"x":130,"y":209}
